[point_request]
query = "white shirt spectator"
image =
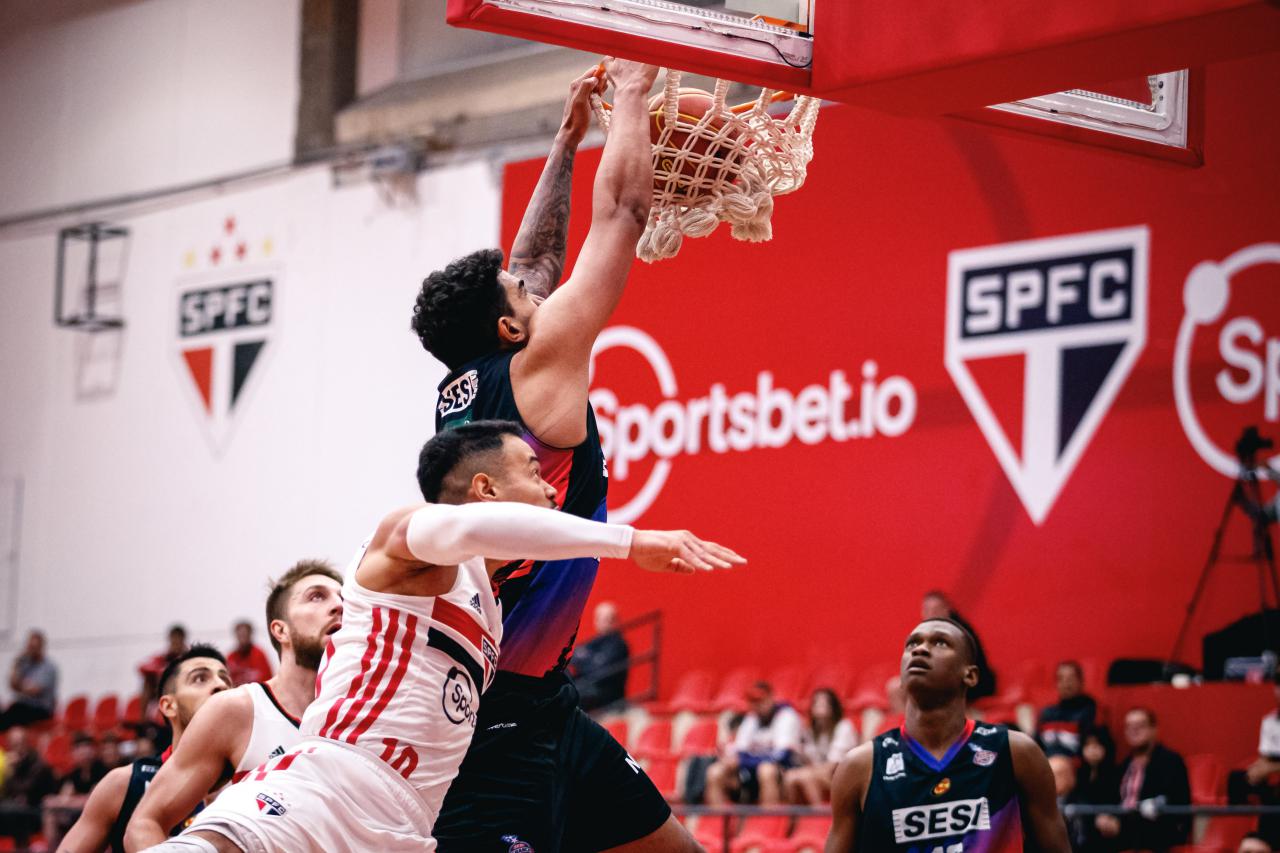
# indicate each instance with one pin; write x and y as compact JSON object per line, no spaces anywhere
{"x":829,"y":747}
{"x":781,"y":734}
{"x":1269,"y":736}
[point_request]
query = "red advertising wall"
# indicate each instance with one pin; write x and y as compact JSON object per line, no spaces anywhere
{"x":873,"y":479}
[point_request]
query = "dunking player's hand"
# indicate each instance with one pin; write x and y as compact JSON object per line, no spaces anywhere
{"x":679,"y":551}
{"x":577,"y":109}
{"x":627,"y":75}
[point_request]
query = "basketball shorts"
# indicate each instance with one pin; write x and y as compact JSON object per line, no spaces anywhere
{"x":542,"y":776}
{"x":328,"y":797}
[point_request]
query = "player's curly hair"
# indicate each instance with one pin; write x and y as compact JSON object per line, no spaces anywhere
{"x":457,"y":310}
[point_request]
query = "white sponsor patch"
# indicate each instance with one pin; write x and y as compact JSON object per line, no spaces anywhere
{"x":921,"y":823}
{"x":458,"y":394}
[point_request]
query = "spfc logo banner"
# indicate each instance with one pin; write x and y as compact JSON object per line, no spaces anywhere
{"x":1041,"y":335}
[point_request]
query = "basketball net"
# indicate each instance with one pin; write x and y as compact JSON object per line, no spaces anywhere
{"x":724,"y":166}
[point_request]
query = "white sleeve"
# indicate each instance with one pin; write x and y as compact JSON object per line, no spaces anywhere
{"x":843,"y":739}
{"x":447,"y":534}
{"x":787,"y":728}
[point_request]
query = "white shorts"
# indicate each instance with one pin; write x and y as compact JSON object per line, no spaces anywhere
{"x":321,"y":796}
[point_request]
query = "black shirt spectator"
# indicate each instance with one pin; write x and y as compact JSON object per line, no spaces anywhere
{"x":28,"y":780}
{"x":34,"y":682}
{"x":600,"y":666}
{"x":936,"y":605}
{"x":1061,"y":724}
{"x":1151,"y":771}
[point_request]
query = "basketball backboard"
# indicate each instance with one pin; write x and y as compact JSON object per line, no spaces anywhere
{"x":927,"y":57}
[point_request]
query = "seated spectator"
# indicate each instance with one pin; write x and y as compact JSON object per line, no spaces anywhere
{"x":1060,"y":725}
{"x":600,"y":666}
{"x":151,"y":668}
{"x":936,"y":605}
{"x":1151,"y":770}
{"x":825,"y":740}
{"x":766,"y":745}
{"x":27,"y":782}
{"x":34,"y":682}
{"x":63,"y":808}
{"x":1259,"y":783}
{"x":247,"y":662}
{"x":109,"y":752}
{"x":1097,"y":784}
{"x":1254,"y":842}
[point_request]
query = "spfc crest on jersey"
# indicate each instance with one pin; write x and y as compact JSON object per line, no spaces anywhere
{"x":1040,"y":337}
{"x":226,"y":310}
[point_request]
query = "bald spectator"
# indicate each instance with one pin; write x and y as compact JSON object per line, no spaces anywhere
{"x":1254,"y":843}
{"x":247,"y":662}
{"x":600,"y":667}
{"x":937,"y":605}
{"x":1062,"y":723}
{"x":1152,"y":772}
{"x":34,"y":682}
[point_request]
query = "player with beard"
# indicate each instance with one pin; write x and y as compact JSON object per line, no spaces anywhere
{"x":242,"y":728}
{"x":186,"y":685}
{"x":942,"y":783}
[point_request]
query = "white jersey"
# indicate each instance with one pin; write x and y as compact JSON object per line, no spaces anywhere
{"x":274,"y":730}
{"x":403,"y":676}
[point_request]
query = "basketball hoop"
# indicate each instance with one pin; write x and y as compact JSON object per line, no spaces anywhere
{"x":714,"y":163}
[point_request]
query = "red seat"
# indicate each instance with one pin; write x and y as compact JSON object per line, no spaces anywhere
{"x":710,"y":832}
{"x":810,"y":833}
{"x":617,"y":726}
{"x":57,"y":753}
{"x":654,"y":741}
{"x":692,"y":693}
{"x":700,"y":739}
{"x":832,"y":677}
{"x":758,"y":830}
{"x":106,"y":715}
{"x":663,"y":773}
{"x":789,"y":684}
{"x":133,"y":712}
{"x":1225,"y":832}
{"x":730,"y":696}
{"x":75,"y":716}
{"x":1208,"y":779}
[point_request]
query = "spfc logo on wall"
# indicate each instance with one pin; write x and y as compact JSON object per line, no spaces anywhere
{"x":227,"y":314}
{"x":1041,"y":335}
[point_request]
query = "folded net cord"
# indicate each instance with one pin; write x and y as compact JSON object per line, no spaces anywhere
{"x":725,"y":166}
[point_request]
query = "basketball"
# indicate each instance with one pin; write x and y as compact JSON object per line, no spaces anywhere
{"x":693,"y":157}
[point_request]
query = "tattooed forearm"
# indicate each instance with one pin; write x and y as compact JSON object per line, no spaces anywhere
{"x":537,"y":255}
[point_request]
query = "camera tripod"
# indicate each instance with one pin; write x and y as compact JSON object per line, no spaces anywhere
{"x":1246,"y":495}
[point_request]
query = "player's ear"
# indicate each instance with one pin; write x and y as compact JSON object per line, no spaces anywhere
{"x":278,"y":630}
{"x":971,"y":676}
{"x":511,"y":330}
{"x":168,"y":705}
{"x":484,"y":487}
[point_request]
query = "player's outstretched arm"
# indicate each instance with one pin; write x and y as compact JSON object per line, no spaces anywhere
{"x":92,"y":829}
{"x":190,"y":773}
{"x":848,"y":790}
{"x":550,"y":374}
{"x":1046,"y":830}
{"x":537,"y":254}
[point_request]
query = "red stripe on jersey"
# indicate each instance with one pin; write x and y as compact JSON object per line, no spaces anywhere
{"x":452,"y":616}
{"x":371,"y":643}
{"x":375,"y":679}
{"x":402,"y":666}
{"x":285,"y":761}
{"x":324,"y":665}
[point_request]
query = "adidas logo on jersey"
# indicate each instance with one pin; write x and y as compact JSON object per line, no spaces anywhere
{"x":920,"y":823}
{"x":277,"y":752}
{"x":475,"y":604}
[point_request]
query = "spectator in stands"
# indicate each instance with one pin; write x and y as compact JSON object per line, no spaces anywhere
{"x":62,"y":809}
{"x":34,"y":682}
{"x":1254,"y":842}
{"x":766,"y":745}
{"x":936,"y":605}
{"x":600,"y":666}
{"x":825,"y":740}
{"x":1060,"y":725}
{"x":27,"y":782}
{"x":109,"y":751}
{"x":1151,"y":771}
{"x":151,"y":668}
{"x":1096,"y":785}
{"x":247,"y":662}
{"x":1259,"y":783}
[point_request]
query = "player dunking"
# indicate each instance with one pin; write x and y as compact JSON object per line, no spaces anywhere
{"x":243,"y":727}
{"x":942,"y":783}
{"x":540,"y":772}
{"x":187,"y":684}
{"x":401,"y":682}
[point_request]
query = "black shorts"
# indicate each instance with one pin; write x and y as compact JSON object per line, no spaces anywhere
{"x":542,"y":776}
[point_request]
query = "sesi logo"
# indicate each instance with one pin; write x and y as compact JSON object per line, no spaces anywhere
{"x":921,"y":823}
{"x":1231,"y":329}
{"x":1040,"y":336}
{"x":765,"y":415}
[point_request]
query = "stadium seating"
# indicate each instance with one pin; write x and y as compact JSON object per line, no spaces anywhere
{"x":730,"y":696}
{"x":617,"y":726}
{"x":654,"y":741}
{"x":75,"y":716}
{"x":700,"y":739}
{"x":106,"y":715}
{"x":693,"y":693}
{"x":1224,"y":833}
{"x":57,"y":753}
{"x":1208,"y":779}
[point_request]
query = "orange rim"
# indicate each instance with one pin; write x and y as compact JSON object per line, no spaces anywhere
{"x":737,"y":110}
